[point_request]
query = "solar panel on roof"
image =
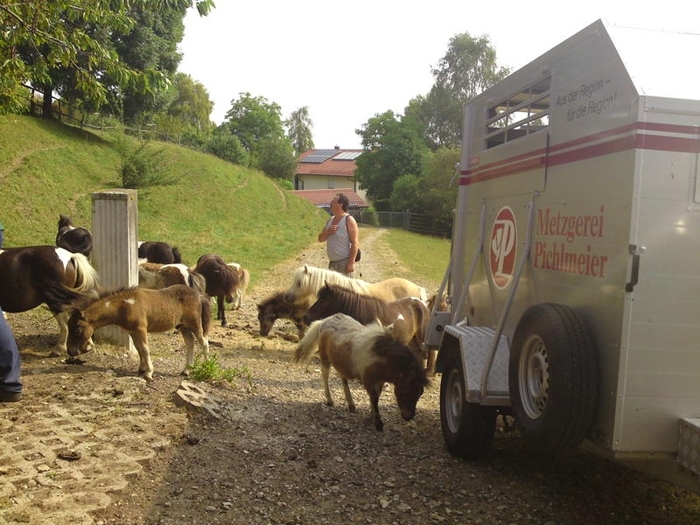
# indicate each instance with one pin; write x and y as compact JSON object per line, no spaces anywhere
{"x":320,"y":155}
{"x":348,"y":155}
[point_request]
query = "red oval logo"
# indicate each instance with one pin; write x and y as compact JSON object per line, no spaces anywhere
{"x":504,"y":236}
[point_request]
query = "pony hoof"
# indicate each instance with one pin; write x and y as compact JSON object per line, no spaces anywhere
{"x":351,"y":408}
{"x":379,"y":426}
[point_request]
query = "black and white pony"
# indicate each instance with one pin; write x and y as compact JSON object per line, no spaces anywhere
{"x":72,"y":238}
{"x":159,"y":252}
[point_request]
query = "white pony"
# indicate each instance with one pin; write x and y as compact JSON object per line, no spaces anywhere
{"x":308,"y":280}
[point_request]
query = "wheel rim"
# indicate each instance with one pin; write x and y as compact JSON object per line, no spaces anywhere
{"x":454,"y":397}
{"x":534,"y":376}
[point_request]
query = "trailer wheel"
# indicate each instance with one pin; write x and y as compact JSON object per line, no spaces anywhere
{"x":553,"y":378}
{"x":467,"y":428}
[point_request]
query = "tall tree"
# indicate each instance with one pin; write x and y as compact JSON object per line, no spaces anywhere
{"x":467,"y":68}
{"x":275,"y":158}
{"x":151,"y":45}
{"x":252,"y":119}
{"x":299,"y":130}
{"x":392,"y":148}
{"x":191,"y":103}
{"x":66,"y":42}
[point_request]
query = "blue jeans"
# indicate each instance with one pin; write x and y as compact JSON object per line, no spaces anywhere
{"x":9,"y":359}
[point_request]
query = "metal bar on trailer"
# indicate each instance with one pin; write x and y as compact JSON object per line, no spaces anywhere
{"x":509,"y":301}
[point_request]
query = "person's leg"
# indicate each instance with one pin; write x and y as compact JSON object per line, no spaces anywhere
{"x":10,"y":383}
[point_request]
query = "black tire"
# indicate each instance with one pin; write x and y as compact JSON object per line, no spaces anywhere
{"x":553,"y":378}
{"x":467,"y":428}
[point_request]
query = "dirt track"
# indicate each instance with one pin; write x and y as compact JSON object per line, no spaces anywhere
{"x":92,"y":443}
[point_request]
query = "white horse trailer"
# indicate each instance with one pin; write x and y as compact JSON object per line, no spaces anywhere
{"x":575,"y":271}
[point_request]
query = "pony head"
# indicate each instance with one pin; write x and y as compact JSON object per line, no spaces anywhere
{"x":79,"y":333}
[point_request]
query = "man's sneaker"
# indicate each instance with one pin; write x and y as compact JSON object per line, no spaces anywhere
{"x":9,"y":397}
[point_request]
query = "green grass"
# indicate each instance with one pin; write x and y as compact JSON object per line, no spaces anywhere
{"x":209,"y":369}
{"x":47,"y":169}
{"x":423,"y":255}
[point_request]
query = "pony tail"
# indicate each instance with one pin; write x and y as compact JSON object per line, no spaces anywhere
{"x":245,"y":280}
{"x":86,"y":275}
{"x":206,"y":314}
{"x":176,"y":255}
{"x":308,"y":346}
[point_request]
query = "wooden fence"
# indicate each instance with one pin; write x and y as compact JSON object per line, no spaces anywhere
{"x":407,"y":220}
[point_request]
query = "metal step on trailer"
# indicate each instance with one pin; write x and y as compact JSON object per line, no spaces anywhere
{"x":689,"y":444}
{"x":485,"y":364}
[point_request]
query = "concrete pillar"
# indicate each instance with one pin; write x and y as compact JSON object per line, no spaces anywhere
{"x":115,"y":248}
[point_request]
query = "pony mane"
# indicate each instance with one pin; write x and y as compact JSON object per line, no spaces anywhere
{"x":311,"y":279}
{"x":364,"y":308}
{"x":109,"y":293}
{"x":400,"y":356}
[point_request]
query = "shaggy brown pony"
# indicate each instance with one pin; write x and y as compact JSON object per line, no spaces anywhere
{"x":140,"y":311}
{"x":223,"y":281}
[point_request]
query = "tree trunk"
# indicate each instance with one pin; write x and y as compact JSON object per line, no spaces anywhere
{"x":47,"y":106}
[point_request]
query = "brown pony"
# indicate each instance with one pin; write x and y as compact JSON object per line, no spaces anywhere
{"x":407,"y":317}
{"x":76,"y":240}
{"x":224,"y":281}
{"x":34,"y":275}
{"x":139,"y":311}
{"x":281,"y":305}
{"x":367,"y":353}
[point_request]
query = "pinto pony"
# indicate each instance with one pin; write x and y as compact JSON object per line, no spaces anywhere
{"x":159,"y":252}
{"x":281,"y":305}
{"x":34,"y":275}
{"x":308,"y":280}
{"x":73,"y":239}
{"x":156,"y":276}
{"x":227,"y":282}
{"x":367,"y":353}
{"x":140,"y":311}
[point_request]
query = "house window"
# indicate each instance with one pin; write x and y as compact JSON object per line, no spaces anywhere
{"x":519,"y":115}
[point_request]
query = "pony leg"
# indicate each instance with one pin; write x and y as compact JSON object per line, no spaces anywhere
{"x":430,"y":366}
{"x":145,"y":363}
{"x":325,"y":372}
{"x":62,"y":343}
{"x":374,"y":392}
{"x":221,"y":310}
{"x":203,"y":342}
{"x":348,"y":395}
{"x":188,"y":337}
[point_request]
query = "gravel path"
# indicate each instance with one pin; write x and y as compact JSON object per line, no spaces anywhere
{"x":94,"y":444}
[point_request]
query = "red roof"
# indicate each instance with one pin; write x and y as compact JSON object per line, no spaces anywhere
{"x":322,"y":198}
{"x":328,"y":162}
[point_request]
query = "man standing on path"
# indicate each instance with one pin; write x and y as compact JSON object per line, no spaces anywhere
{"x":341,"y":236}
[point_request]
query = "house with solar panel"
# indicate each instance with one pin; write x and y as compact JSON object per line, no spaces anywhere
{"x":321,"y":173}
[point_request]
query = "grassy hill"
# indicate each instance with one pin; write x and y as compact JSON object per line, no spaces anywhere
{"x":47,"y":169}
{"x":216,"y":207}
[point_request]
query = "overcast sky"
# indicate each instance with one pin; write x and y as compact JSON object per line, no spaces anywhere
{"x":348,"y":61}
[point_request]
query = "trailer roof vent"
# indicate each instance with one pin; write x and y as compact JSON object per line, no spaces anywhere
{"x":519,"y":115}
